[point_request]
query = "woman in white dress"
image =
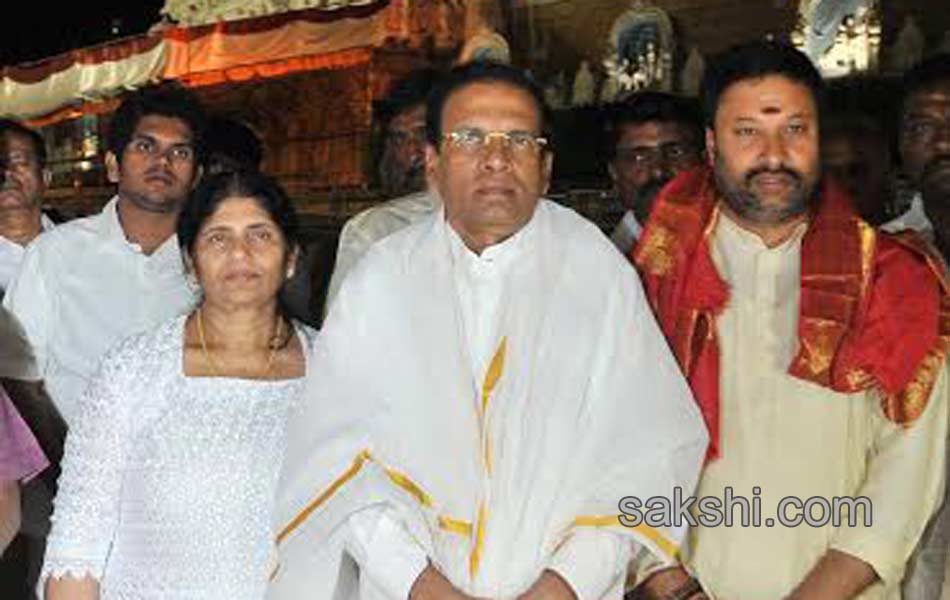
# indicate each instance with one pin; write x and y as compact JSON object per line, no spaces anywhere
{"x":169,"y":475}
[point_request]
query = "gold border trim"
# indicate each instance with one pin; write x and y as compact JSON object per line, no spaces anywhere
{"x":665,"y":545}
{"x":358,"y":462}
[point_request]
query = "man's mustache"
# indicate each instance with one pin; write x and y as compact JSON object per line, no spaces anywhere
{"x":781,"y":170}
{"x":650,"y":189}
{"x":938,"y":162}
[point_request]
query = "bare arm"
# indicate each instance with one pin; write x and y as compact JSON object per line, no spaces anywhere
{"x":550,"y":586}
{"x":668,"y":583}
{"x":837,"y":576}
{"x":70,"y":588}
{"x":433,"y":585}
{"x":9,"y":512}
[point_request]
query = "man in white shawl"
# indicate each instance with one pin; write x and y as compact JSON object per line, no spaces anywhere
{"x":488,"y":387}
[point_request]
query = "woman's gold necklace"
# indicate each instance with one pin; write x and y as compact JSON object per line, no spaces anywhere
{"x":274,"y":346}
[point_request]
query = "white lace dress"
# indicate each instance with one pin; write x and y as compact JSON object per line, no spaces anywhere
{"x":168,"y":481}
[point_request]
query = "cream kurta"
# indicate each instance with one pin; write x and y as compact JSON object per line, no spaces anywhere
{"x":587,"y":407}
{"x":791,"y":437}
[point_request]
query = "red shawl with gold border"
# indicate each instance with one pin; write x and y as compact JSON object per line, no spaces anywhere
{"x":874,"y":308}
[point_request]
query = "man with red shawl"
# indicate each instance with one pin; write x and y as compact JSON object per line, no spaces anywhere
{"x":813,"y":345}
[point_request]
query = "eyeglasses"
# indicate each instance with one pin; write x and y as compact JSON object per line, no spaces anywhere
{"x":924,"y":130}
{"x":473,"y":140}
{"x":643,"y":156}
{"x":175,"y":154}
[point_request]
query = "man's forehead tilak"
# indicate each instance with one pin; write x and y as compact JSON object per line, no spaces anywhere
{"x":769,"y":101}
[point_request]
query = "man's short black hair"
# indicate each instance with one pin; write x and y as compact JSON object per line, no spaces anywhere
{"x":481,"y":72}
{"x":168,"y":99}
{"x":928,"y":72}
{"x":406,"y":93}
{"x":650,"y":107}
{"x":9,"y":126}
{"x":754,"y":60}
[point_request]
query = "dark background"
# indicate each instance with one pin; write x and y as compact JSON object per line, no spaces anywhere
{"x":35,"y":29}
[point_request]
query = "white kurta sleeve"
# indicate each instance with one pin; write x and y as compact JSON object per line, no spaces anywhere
{"x":906,"y":470}
{"x":591,"y":561}
{"x":385,"y":551}
{"x":33,"y":306}
{"x":86,"y":508}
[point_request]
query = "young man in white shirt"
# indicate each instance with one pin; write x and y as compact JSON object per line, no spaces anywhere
{"x":93,"y":281}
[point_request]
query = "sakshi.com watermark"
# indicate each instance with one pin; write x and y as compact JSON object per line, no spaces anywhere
{"x":733,"y":510}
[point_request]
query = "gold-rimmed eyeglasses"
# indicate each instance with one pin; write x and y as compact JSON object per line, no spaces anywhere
{"x":474,"y":140}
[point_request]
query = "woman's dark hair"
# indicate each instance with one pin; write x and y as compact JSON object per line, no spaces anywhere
{"x":215,"y":189}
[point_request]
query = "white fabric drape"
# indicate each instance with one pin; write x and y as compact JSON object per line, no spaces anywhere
{"x":589,"y":407}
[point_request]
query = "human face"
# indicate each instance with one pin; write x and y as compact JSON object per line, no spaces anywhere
{"x":764,"y":145}
{"x":25,"y":180}
{"x":925,"y":141}
{"x":648,"y":155}
{"x":489,"y":192}
{"x":860,"y":162}
{"x":158,"y":167}
{"x":240,"y":256}
{"x":404,"y":157}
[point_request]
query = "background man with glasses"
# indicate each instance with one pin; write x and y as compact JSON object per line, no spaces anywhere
{"x":651,"y":137}
{"x":401,"y":170}
{"x":493,"y":357}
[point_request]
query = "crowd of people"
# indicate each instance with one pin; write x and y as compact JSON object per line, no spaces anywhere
{"x":502,"y":401}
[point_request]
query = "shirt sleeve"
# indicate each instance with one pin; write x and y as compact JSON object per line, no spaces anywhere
{"x":86,"y":508}
{"x":385,"y":551}
{"x":592,"y":561}
{"x":904,"y":483}
{"x":31,"y":308}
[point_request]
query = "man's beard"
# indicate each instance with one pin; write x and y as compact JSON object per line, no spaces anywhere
{"x":748,"y":205}
{"x":645,"y":196}
{"x":397,"y":180}
{"x":155,"y":206}
{"x":935,"y":178}
{"x":935,"y":192}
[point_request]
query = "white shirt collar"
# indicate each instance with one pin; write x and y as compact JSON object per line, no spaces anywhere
{"x":500,"y":254}
{"x":914,"y":218}
{"x":734,"y":235}
{"x":110,"y":228}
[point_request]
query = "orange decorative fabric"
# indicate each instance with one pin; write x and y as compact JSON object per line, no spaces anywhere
{"x":874,"y":308}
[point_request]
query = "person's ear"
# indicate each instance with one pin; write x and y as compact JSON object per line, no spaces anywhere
{"x":710,"y":146}
{"x":432,"y":159}
{"x":199,"y":173}
{"x":112,"y":167}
